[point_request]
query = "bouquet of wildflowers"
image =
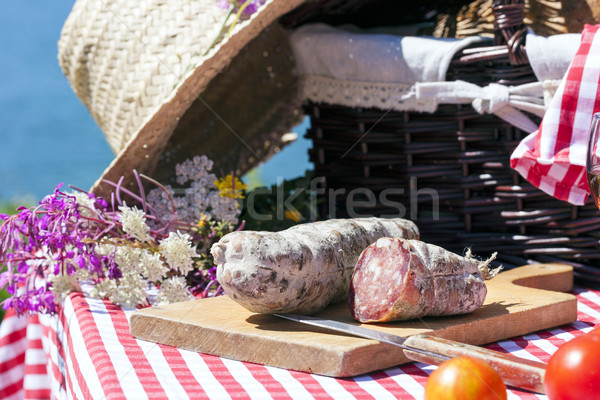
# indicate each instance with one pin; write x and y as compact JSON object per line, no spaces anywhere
{"x":155,"y":252}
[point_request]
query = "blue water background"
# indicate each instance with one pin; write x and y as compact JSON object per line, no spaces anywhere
{"x":47,"y":135}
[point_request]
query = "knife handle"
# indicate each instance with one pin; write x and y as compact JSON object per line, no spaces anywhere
{"x":514,"y":371}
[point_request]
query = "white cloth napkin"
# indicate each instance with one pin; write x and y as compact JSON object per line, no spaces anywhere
{"x":365,"y":69}
{"x":393,"y":69}
{"x":550,"y":56}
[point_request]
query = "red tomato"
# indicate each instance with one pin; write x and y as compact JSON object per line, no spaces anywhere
{"x":465,"y":378}
{"x":573,"y":371}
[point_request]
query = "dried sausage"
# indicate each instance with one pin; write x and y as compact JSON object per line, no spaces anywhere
{"x":399,"y":279}
{"x":301,"y":269}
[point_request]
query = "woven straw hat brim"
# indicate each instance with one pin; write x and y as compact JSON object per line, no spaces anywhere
{"x":140,"y":69}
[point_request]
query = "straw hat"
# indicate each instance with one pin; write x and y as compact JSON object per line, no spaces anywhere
{"x":165,"y":82}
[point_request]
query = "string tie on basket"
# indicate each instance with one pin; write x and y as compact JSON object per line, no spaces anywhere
{"x":506,"y":102}
{"x":494,"y":97}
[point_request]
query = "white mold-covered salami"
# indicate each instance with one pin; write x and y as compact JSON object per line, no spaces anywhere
{"x":301,"y":269}
{"x":399,"y":279}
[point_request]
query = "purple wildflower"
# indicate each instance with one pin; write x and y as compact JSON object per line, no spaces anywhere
{"x":39,"y":242}
{"x":253,"y":7}
{"x":47,"y":250}
{"x":249,"y":9}
{"x":224,"y":4}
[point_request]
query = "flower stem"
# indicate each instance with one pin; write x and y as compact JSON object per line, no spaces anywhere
{"x":129,"y":193}
{"x":237,"y":16}
{"x":118,"y":190}
{"x":221,"y":30}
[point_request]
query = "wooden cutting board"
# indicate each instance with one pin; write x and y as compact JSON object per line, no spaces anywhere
{"x":519,"y":301}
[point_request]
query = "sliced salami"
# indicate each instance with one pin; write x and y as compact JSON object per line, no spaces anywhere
{"x":398,"y":279}
{"x":301,"y":269}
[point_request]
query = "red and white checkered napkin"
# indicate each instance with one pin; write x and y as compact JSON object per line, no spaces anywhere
{"x":553,"y":157}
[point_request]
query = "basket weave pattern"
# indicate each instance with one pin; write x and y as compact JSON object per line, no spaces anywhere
{"x":456,"y":161}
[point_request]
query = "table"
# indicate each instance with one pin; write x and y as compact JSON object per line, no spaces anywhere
{"x":86,"y":351}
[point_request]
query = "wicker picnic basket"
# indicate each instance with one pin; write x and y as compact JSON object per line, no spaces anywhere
{"x":464,"y":156}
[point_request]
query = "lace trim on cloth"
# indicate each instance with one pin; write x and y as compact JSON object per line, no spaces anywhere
{"x":385,"y":96}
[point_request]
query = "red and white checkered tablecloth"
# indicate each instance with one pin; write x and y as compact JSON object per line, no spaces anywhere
{"x":86,"y":352}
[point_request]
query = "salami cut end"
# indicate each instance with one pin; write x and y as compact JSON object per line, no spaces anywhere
{"x":400,"y":279}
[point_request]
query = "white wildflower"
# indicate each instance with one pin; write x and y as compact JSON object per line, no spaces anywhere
{"x":195,"y":169}
{"x":128,"y":259}
{"x":62,"y":285}
{"x":129,"y":291}
{"x":104,"y":249}
{"x":138,"y":266}
{"x":85,"y":202}
{"x":153,"y":268}
{"x":178,"y":252}
{"x":223,"y":208}
{"x":83,"y":275}
{"x":101,"y":289}
{"x":134,"y":223}
{"x":173,"y":290}
{"x":190,"y":202}
{"x":161,"y":205}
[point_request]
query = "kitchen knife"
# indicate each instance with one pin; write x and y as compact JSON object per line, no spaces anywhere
{"x":514,"y":371}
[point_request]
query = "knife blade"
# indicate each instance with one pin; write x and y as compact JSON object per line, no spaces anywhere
{"x":514,"y":371}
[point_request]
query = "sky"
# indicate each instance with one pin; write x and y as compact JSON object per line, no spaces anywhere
{"x":46,"y":134}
